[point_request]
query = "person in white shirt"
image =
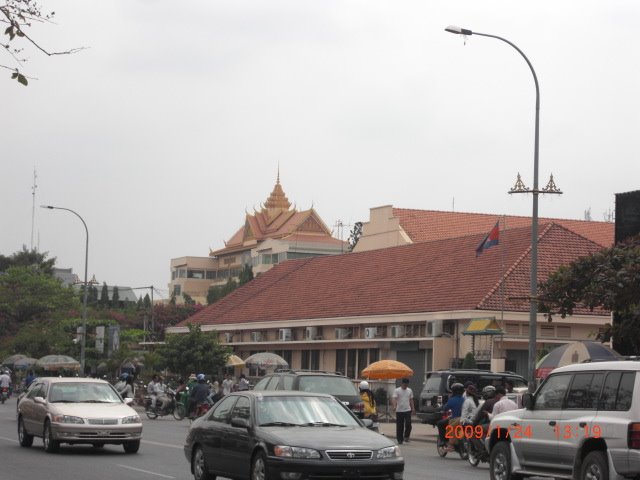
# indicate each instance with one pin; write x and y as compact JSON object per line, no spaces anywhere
{"x":470,"y":405}
{"x":5,"y":379}
{"x":227,"y":385}
{"x":403,"y":405}
{"x":243,"y":384}
{"x":504,"y":403}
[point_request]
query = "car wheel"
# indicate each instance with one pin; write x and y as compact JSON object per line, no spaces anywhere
{"x":259,"y":469}
{"x":179,"y":412}
{"x":199,"y":466}
{"x":131,"y":447}
{"x":25,"y":439}
{"x":50,"y":445}
{"x":500,"y":463}
{"x":594,"y":467}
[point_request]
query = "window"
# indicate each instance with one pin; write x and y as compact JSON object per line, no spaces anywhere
{"x":310,"y":360}
{"x":177,"y":290}
{"x":288,"y":382}
{"x":221,"y":414}
{"x":512,"y":328}
{"x":199,"y":274}
{"x":210,"y":274}
{"x":618,"y":391}
{"x":547,"y":331}
{"x":564,"y":331}
{"x":584,"y":391}
{"x":552,"y":393}
{"x":242,"y":409}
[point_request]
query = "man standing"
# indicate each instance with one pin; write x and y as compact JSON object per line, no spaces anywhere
{"x":404,"y":407}
{"x":227,"y":385}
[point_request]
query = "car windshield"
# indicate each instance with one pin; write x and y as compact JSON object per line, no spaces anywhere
{"x":302,"y":411}
{"x":77,"y":392}
{"x":330,"y":385}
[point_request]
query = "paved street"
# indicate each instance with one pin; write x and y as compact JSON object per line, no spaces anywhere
{"x":161,"y":456}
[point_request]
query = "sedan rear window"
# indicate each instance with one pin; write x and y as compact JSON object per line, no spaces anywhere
{"x":330,"y":385}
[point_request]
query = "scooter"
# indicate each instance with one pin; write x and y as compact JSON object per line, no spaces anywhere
{"x":4,"y":394}
{"x":460,"y":446}
{"x":476,"y":450}
{"x":172,"y":408}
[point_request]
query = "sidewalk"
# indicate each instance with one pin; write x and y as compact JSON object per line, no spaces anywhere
{"x":420,"y":432}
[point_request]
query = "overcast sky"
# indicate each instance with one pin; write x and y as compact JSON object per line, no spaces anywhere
{"x":172,"y":123}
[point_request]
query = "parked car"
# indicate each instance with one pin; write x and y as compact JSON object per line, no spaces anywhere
{"x":436,"y":390}
{"x":315,"y":381}
{"x":77,"y":410}
{"x":267,"y":435}
{"x":583,"y":423}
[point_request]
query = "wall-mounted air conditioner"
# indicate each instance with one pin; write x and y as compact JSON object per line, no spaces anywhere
{"x":228,"y":337}
{"x":342,"y":333}
{"x":370,"y":332}
{"x":434,"y":328}
{"x":285,"y":335}
{"x":397,"y":331}
{"x":311,"y":333}
{"x":256,"y":336}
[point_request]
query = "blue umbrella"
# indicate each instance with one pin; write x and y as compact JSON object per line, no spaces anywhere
{"x":574,"y":352}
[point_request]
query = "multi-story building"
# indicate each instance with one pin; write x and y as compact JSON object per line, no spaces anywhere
{"x":275,"y":233}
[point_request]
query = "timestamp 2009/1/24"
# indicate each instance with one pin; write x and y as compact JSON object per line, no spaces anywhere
{"x":522,"y":431}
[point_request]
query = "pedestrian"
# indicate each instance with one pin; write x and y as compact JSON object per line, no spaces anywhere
{"x":243,"y":383}
{"x":227,"y":385}
{"x":404,"y":407}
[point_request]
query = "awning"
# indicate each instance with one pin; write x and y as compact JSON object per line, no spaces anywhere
{"x":483,"y":326}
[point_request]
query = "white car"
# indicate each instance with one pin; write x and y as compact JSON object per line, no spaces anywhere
{"x":77,"y":410}
{"x":582,"y":423}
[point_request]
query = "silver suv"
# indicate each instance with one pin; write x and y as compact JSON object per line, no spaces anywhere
{"x":582,"y":423}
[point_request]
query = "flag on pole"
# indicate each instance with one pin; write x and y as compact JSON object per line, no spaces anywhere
{"x":492,"y":238}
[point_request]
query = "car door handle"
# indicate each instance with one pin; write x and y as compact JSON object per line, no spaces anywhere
{"x":552,"y":423}
{"x":582,"y":424}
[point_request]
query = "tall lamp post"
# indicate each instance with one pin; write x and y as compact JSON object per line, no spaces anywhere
{"x":83,"y":338}
{"x":520,"y":188}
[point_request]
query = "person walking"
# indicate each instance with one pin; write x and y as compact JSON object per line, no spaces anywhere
{"x":227,"y":385}
{"x":404,"y":407}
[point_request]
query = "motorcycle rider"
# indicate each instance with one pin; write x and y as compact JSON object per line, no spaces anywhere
{"x":503,"y":403}
{"x":129,"y":390}
{"x":199,"y":393}
{"x":455,"y":405}
{"x":121,"y":384}
{"x":5,"y":381}
{"x":161,"y":391}
{"x":366,"y":395}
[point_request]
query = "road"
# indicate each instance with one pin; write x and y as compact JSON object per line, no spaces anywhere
{"x":161,"y":457}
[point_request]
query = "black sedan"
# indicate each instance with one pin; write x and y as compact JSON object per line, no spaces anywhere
{"x":289,"y":435}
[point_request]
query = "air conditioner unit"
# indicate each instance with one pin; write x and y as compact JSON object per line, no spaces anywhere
{"x":435,"y":328}
{"x":397,"y":331}
{"x":311,"y":333}
{"x":342,"y":333}
{"x":256,"y":336}
{"x":284,"y":334}
{"x":370,"y":332}
{"x":228,"y":337}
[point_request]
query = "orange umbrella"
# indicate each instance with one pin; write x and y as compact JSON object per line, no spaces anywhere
{"x":387,"y":370}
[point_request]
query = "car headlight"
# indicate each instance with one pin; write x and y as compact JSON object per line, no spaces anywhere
{"x":295,"y":452}
{"x":66,"y":419}
{"x":131,"y":419}
{"x":389,"y":452}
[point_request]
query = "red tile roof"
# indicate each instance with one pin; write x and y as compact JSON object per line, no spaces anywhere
{"x":436,"y":276}
{"x":427,"y":225}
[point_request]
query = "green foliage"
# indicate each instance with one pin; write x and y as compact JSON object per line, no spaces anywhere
{"x":28,"y":294}
{"x":469,"y":361}
{"x":115,"y":297}
{"x":354,"y":235}
{"x":216,"y":293}
{"x":28,"y":258}
{"x":246,"y":275}
{"x":608,"y":279}
{"x":104,"y":296}
{"x":196,"y":351}
{"x":147,"y":301}
{"x":187,"y":299}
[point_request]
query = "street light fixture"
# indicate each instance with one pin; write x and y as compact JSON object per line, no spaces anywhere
{"x":520,"y":188}
{"x":83,"y":338}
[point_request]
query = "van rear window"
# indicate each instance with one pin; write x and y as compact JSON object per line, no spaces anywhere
{"x":433,"y":383}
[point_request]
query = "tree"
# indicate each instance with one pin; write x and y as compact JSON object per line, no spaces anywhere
{"x":469,"y":361}
{"x":20,"y":15}
{"x":609,"y":280}
{"x":27,"y":294}
{"x":147,"y":301}
{"x":115,"y":297}
{"x":246,"y":275}
{"x":188,"y":300}
{"x":196,"y":351}
{"x":216,"y":293}
{"x":28,"y":258}
{"x":354,"y":236}
{"x":104,"y":296}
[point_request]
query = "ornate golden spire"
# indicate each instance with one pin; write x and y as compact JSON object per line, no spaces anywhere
{"x":277,"y":201}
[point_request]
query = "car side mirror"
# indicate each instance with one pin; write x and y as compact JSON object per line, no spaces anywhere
{"x":527,"y":401}
{"x":367,"y":422}
{"x":128,"y":400}
{"x":239,"y":422}
{"x":39,"y":400}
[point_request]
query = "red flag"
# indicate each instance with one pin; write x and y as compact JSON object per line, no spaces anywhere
{"x":492,"y":238}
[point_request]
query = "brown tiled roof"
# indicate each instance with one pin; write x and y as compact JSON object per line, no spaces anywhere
{"x":436,"y":276}
{"x":427,"y":225}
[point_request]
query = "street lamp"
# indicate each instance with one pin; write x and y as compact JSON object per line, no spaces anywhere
{"x":520,"y":188}
{"x":83,"y":338}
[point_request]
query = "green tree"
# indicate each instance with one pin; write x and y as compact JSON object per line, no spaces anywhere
{"x":104,"y":296}
{"x":196,"y":351}
{"x":27,"y":294}
{"x":469,"y":361}
{"x":246,"y":275}
{"x":216,"y":293}
{"x":609,"y":280}
{"x":147,"y":301}
{"x":115,"y":297}
{"x":354,"y":235}
{"x":187,"y":299}
{"x":28,"y":258}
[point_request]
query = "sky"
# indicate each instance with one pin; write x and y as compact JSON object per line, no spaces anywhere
{"x":175,"y":118}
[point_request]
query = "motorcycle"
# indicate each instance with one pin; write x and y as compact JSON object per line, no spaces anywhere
{"x":477,"y":452}
{"x":460,"y":446}
{"x":4,"y":394}
{"x":172,"y":408}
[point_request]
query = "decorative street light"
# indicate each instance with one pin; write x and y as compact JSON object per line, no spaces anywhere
{"x":83,"y":338}
{"x":520,"y":188}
